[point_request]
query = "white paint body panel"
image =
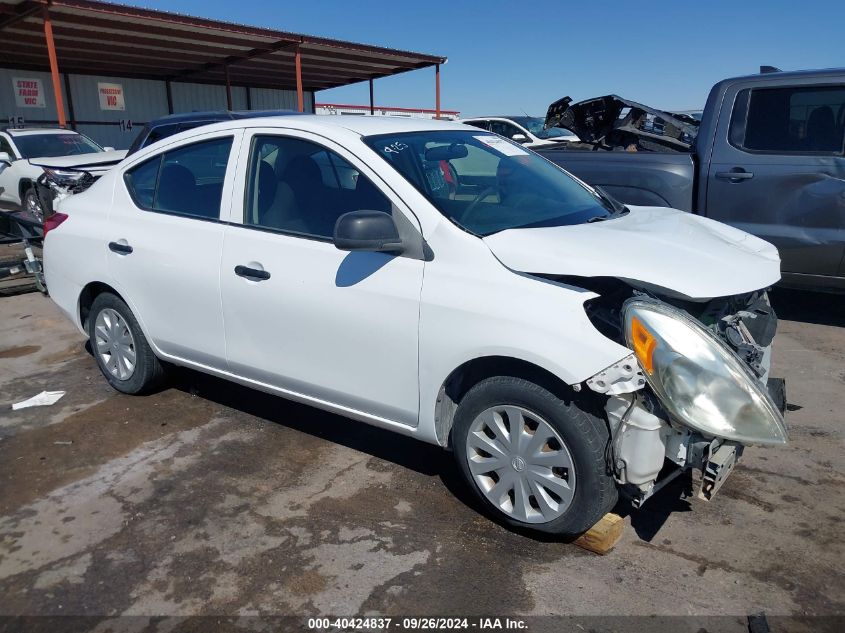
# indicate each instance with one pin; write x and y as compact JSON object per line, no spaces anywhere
{"x":367,"y":335}
{"x":665,"y":248}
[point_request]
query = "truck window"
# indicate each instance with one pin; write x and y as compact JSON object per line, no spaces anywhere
{"x":792,"y":120}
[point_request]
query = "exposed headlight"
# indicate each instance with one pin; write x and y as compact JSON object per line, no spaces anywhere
{"x":699,"y":380}
{"x":63,"y":177}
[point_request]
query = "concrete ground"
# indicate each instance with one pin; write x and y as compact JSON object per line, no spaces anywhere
{"x":208,"y":498}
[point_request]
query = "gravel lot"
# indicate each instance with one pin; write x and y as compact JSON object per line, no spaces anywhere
{"x":207,"y":498}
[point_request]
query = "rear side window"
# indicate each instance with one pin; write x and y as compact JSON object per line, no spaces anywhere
{"x":185,"y":181}
{"x":793,"y":120}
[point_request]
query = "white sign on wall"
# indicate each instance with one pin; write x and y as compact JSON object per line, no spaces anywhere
{"x":29,"y":92}
{"x":111,"y":96}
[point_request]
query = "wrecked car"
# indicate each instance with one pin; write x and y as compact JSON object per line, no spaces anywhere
{"x":766,"y":157}
{"x":22,"y":152}
{"x":441,"y":282}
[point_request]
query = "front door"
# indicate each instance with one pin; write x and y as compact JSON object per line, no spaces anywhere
{"x":325,"y":325}
{"x":781,"y":176}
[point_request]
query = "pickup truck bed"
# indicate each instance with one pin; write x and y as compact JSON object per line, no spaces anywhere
{"x":639,"y":178}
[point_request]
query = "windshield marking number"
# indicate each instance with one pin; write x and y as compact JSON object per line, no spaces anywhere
{"x":395,"y":148}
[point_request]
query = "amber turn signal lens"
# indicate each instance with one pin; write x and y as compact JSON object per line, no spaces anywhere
{"x":644,"y":344}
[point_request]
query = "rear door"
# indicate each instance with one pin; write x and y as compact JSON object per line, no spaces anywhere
{"x":778,"y":170}
{"x":165,"y":240}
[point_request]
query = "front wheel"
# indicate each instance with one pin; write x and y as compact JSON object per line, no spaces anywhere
{"x":534,"y":460}
{"x":120,"y":347}
{"x":32,"y":204}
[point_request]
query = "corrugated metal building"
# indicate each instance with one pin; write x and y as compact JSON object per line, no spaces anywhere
{"x":116,"y":67}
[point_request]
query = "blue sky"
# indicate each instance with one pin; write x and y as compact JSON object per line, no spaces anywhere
{"x":510,"y":57}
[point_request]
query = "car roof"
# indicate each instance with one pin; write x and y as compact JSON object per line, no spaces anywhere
{"x":363,"y":125}
{"x":218,"y":115}
{"x":30,"y":131}
{"x":501,"y":116}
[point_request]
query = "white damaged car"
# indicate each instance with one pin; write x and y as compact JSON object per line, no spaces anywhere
{"x":439,"y":281}
{"x":67,"y":155}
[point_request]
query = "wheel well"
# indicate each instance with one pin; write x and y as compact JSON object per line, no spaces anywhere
{"x":466,"y":376}
{"x":86,"y":299}
{"x":23,"y":186}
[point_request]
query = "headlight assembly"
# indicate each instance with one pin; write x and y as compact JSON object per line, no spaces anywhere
{"x":699,"y":380}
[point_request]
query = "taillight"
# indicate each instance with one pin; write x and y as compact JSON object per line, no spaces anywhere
{"x":53,"y":222}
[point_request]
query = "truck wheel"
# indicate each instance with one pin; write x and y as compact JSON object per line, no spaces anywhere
{"x":533,"y":459}
{"x":32,"y":205}
{"x":120,"y":347}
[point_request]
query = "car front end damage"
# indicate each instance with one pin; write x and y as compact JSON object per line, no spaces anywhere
{"x":694,"y":391}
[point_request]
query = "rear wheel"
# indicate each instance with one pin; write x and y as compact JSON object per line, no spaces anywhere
{"x":120,"y":347}
{"x":534,"y":460}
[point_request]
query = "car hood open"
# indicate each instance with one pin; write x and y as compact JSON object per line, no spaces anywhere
{"x":649,"y":247}
{"x":594,"y":119}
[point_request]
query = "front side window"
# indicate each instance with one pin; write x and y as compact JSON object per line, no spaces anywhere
{"x":296,"y":186}
{"x":184,"y":181}
{"x":791,"y":120}
{"x":51,"y":145}
{"x":487,"y":184}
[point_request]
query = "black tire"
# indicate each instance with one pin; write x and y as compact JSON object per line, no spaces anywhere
{"x":148,"y":372}
{"x":584,"y":434}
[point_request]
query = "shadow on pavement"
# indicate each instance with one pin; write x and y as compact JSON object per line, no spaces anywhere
{"x":821,"y":308}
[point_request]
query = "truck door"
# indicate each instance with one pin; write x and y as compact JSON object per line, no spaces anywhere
{"x":778,"y":171}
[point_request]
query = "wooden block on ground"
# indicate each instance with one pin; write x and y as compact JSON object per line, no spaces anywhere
{"x":603,"y":535}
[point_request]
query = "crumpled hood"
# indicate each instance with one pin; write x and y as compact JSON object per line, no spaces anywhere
{"x":667,"y":249}
{"x":81,"y":161}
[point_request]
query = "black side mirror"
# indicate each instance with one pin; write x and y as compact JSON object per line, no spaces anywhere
{"x":367,"y":231}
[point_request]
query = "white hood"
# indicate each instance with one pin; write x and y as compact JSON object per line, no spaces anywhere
{"x":651,"y":247}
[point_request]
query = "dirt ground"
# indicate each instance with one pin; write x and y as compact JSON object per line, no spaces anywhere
{"x":211,"y":499}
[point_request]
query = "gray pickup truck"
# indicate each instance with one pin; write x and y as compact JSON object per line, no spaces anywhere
{"x":766,"y":156}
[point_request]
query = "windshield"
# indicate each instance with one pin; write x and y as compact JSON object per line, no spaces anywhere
{"x":485,"y":183}
{"x":41,"y":145}
{"x":534,"y":124}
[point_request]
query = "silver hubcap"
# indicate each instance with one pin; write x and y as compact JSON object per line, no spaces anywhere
{"x":521,"y":464}
{"x":115,"y":344}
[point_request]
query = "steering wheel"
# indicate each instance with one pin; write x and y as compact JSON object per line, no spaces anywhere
{"x":467,"y":214}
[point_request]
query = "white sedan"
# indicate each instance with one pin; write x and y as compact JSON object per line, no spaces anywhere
{"x":439,"y":281}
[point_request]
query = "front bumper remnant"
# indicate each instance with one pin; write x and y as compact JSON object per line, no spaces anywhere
{"x":716,"y":469}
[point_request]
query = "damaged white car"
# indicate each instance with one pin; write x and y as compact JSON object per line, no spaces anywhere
{"x":441,"y":282}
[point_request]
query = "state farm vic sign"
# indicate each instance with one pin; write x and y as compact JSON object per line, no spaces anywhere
{"x":29,"y":92}
{"x":111,"y":96}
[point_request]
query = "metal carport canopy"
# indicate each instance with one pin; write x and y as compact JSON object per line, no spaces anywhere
{"x":102,"y":38}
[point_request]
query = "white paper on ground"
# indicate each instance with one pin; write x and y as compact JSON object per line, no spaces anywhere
{"x":43,"y":399}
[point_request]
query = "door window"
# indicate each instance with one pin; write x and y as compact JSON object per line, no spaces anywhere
{"x":185,"y":181}
{"x":5,"y":146}
{"x":484,"y":125}
{"x":791,"y":120}
{"x":296,"y":186}
{"x":504,"y":129}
